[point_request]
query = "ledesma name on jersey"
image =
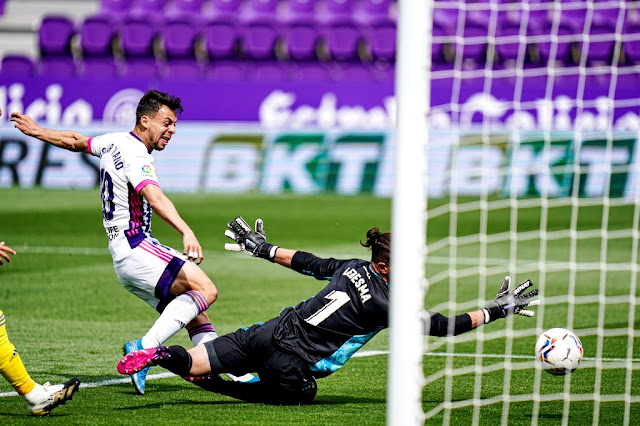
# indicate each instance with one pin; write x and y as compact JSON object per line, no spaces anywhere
{"x":359,"y":283}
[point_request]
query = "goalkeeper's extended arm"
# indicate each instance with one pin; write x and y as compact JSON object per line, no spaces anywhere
{"x":507,"y":303}
{"x":246,"y":240}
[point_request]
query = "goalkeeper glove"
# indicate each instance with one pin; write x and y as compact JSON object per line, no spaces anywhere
{"x":253,"y":243}
{"x":507,"y":303}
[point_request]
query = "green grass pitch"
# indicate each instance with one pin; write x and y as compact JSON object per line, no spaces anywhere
{"x":69,"y":316}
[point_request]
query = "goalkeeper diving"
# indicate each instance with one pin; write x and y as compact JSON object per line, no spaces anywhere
{"x":316,"y":337}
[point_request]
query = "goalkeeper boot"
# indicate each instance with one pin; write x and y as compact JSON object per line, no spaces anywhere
{"x":139,"y":377}
{"x":136,"y":362}
{"x":246,"y":378}
{"x":45,"y":398}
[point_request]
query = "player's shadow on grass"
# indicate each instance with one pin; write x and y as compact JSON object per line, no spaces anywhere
{"x":173,"y":389}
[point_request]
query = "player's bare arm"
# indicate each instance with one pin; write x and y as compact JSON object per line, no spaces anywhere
{"x":66,"y":139}
{"x":284,"y":256}
{"x":5,"y":251}
{"x":166,"y":210}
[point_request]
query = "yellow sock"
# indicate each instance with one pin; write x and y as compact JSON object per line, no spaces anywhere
{"x":11,"y":365}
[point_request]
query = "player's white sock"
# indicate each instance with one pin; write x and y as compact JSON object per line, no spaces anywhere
{"x":202,"y":334}
{"x":36,"y":395}
{"x":178,"y":313}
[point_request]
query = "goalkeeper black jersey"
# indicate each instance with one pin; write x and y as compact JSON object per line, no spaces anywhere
{"x":328,"y":328}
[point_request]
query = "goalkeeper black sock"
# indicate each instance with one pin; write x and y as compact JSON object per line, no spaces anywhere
{"x":178,"y":362}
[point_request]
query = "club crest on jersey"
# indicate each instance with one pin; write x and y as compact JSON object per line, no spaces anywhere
{"x":147,"y":170}
{"x":359,"y":283}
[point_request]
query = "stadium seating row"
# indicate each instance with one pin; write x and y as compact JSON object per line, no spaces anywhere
{"x":181,"y":40}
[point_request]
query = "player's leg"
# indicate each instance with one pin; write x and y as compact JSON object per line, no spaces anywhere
{"x":150,"y":271}
{"x":40,"y":399}
{"x":200,"y":330}
{"x":285,"y":379}
{"x":264,"y":391}
{"x":187,"y":294}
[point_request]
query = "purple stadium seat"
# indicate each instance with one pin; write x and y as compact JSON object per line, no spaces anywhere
{"x":221,"y":9}
{"x":540,"y":10}
{"x":601,"y":40}
{"x":179,"y":36}
{"x":99,"y":67}
{"x":54,"y":36}
{"x":183,"y":69}
{"x":259,"y":37}
{"x":574,"y":13}
{"x":375,"y":7}
{"x":2,"y":4}
{"x":607,"y":10}
{"x":141,"y":67}
{"x":380,"y":34}
{"x":258,"y":10}
{"x":96,"y":36}
{"x":445,"y":14}
{"x":137,"y":35}
{"x":301,"y":37}
{"x":154,"y":8}
{"x":342,"y":38}
{"x":184,"y":7}
{"x":474,"y":45}
{"x":631,"y":42}
{"x":220,"y":36}
{"x":309,"y":71}
{"x":225,"y":69}
{"x":351,"y":71}
{"x":57,"y":66}
{"x":299,"y":9}
{"x":268,"y":71}
{"x":567,"y":36}
{"x":439,"y":32}
{"x":336,"y":10}
{"x":17,"y":66}
{"x":507,"y":42}
{"x":115,"y":8}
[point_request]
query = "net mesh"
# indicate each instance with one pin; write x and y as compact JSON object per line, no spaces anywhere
{"x":533,"y":173}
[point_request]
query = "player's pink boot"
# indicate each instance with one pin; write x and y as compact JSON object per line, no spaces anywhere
{"x":137,"y":361}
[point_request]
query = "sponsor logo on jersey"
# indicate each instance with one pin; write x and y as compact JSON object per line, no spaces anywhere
{"x":147,"y":170}
{"x":359,"y":283}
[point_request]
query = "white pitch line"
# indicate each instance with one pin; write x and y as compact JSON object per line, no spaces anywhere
{"x":363,"y":354}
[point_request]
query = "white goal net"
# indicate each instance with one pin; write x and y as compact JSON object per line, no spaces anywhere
{"x":516,"y":154}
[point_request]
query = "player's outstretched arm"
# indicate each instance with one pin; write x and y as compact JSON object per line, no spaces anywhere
{"x":66,"y":139}
{"x":508,"y":303}
{"x":4,"y":252}
{"x":166,"y":210}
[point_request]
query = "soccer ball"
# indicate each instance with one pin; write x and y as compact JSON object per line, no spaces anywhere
{"x":559,"y":351}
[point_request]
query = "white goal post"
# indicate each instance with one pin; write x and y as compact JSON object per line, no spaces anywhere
{"x":519,"y":121}
{"x":408,"y":215}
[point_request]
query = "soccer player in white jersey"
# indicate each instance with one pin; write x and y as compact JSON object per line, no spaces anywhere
{"x":161,"y":276}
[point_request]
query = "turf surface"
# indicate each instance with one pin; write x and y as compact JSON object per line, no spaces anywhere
{"x":68,"y":315}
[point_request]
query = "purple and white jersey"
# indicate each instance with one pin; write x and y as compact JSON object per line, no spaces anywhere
{"x":126,"y":166}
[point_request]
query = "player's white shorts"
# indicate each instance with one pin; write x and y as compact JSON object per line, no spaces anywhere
{"x":148,"y":270}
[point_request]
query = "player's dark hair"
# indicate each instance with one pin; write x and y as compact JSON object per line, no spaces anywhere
{"x":153,"y":100}
{"x":380,"y":244}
